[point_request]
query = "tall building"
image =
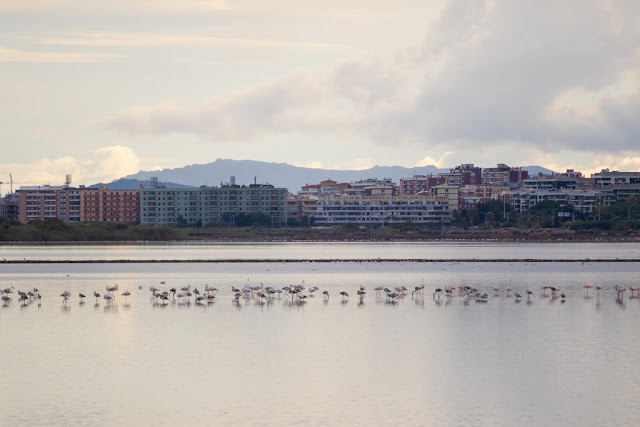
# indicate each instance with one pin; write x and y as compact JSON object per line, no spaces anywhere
{"x":606,"y":177}
{"x":419,"y":183}
{"x":465,"y":174}
{"x":40,"y":202}
{"x":342,"y":209}
{"x":9,"y":206}
{"x":503,"y":175}
{"x":204,"y":205}
{"x":102,"y":204}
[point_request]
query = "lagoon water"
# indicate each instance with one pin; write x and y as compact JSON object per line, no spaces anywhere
{"x":371,"y":362}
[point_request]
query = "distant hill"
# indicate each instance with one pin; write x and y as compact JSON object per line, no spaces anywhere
{"x":133,"y":184}
{"x":278,"y":174}
{"x":535,"y":170}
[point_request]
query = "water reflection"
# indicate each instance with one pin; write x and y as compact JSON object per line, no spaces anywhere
{"x":315,"y":350}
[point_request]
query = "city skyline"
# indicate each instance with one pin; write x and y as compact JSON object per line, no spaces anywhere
{"x":107,"y":90}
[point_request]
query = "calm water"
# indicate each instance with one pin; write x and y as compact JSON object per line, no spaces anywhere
{"x":370,"y":362}
{"x":421,"y":250}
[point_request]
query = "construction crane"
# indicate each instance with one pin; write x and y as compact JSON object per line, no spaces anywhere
{"x":11,"y":182}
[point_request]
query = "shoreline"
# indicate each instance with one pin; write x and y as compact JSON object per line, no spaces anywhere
{"x":333,"y":260}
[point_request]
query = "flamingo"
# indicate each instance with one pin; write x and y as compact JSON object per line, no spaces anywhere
{"x":587,"y":287}
{"x":378,"y":289}
{"x":65,"y":296}
{"x":108,"y":298}
{"x":508,"y":292}
{"x":544,"y":290}
{"x":495,"y":289}
{"x":437,"y":291}
{"x":7,"y":290}
{"x":6,"y":299}
{"x":529,"y":293}
{"x":153,"y":289}
{"x":344,"y":294}
{"x":112,"y":289}
{"x":125,"y":294}
{"x":361,"y":292}
{"x":326,"y":294}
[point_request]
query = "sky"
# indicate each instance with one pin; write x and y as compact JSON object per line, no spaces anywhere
{"x":105,"y":88}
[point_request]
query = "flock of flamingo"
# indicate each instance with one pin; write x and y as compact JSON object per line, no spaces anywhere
{"x":300,"y":293}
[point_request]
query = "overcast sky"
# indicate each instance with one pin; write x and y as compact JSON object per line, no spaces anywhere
{"x":104,"y":88}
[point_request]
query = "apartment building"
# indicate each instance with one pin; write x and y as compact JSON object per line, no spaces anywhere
{"x":102,"y":204}
{"x":464,"y":174}
{"x":300,"y":206}
{"x":370,"y":210}
{"x":40,"y":202}
{"x":419,"y":183}
{"x":606,"y":177}
{"x":204,"y":205}
{"x":470,"y":196}
{"x":581,"y":200}
{"x":503,"y":175}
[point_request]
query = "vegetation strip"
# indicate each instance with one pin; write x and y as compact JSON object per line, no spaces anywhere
{"x":222,"y":261}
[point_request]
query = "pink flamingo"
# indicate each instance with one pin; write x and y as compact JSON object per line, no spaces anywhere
{"x":65,"y":296}
{"x":598,"y":287}
{"x":211,"y":289}
{"x":112,"y":289}
{"x":544,"y":290}
{"x":634,"y":289}
{"x":126,"y":294}
{"x":587,"y":287}
{"x":620,"y":290}
{"x":108,"y":298}
{"x":495,"y":289}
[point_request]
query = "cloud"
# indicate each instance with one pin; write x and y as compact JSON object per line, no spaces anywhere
{"x":113,"y":6}
{"x":356,"y":164}
{"x":150,"y":39}
{"x":544,"y":75}
{"x":428,"y":161}
{"x":13,"y":55}
{"x":107,"y":164}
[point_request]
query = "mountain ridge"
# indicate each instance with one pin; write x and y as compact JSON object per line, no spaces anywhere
{"x":282,"y":175}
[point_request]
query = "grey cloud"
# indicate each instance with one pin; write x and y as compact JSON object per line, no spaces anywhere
{"x":488,"y":72}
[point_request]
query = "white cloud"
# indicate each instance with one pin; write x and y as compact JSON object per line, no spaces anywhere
{"x":543,"y":75}
{"x":113,"y":6}
{"x":14,"y":55}
{"x":150,"y":39}
{"x":107,"y":164}
{"x":355,"y":164}
{"x":440,"y":163}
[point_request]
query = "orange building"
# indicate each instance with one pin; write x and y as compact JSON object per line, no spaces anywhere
{"x":101,"y":204}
